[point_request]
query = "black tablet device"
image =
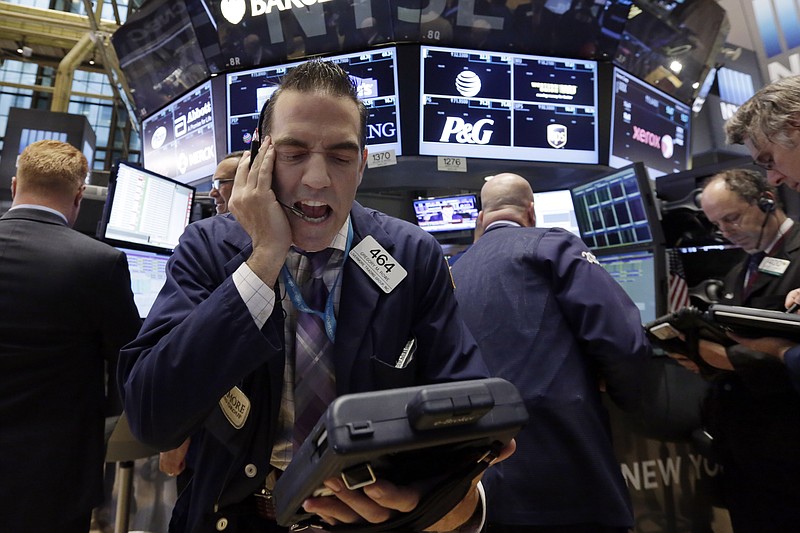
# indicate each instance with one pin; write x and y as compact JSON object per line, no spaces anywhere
{"x":443,"y":433}
{"x":752,"y":322}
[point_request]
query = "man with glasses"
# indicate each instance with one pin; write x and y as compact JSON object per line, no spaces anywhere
{"x":751,"y":412}
{"x":222,"y":181}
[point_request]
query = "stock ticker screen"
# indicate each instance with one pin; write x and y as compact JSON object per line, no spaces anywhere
{"x":374,"y":73}
{"x":649,"y":126}
{"x":507,"y":106}
{"x":637,"y":273}
{"x":617,"y":209}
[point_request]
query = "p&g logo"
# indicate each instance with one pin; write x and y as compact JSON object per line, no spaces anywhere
{"x":465,"y":132}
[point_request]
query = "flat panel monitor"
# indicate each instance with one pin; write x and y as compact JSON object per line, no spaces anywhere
{"x":618,"y":209}
{"x":145,"y":210}
{"x":179,"y":140}
{"x":447,"y":213}
{"x":641,"y":274}
{"x":374,"y":72}
{"x":554,"y":209}
{"x":498,"y":105}
{"x":148,"y":275}
{"x":648,"y":125}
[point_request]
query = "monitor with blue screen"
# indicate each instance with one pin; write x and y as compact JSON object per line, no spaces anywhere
{"x":641,"y":274}
{"x":148,"y":274}
{"x":618,"y":209}
{"x":447,"y":213}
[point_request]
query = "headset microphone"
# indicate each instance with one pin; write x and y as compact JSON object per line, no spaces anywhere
{"x":767,"y":206}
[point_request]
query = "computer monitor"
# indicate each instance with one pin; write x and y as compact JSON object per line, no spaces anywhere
{"x":641,"y":273}
{"x":144,"y":210}
{"x":648,"y":125}
{"x":447,"y":213}
{"x":497,"y":105}
{"x":554,"y":209}
{"x":148,"y":274}
{"x":618,"y":209}
{"x":179,"y":141}
{"x":374,"y":73}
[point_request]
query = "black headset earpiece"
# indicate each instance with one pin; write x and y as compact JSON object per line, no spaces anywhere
{"x":766,"y":204}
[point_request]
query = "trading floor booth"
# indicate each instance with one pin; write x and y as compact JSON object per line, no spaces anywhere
{"x":455,"y":92}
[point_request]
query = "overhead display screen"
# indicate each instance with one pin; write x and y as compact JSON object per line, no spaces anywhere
{"x":179,"y":141}
{"x":649,"y":126}
{"x":374,"y":73}
{"x":507,"y":106}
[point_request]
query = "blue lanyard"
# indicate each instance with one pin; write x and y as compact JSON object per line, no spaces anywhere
{"x":328,"y":317}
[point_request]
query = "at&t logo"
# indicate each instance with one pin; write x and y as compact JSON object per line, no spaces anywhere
{"x":468,"y":84}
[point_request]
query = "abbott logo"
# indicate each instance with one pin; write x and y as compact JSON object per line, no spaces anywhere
{"x":557,"y":135}
{"x":233,"y":10}
{"x":468,"y":84}
{"x":467,"y":133}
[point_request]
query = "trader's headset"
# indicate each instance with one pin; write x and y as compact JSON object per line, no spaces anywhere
{"x":766,"y":204}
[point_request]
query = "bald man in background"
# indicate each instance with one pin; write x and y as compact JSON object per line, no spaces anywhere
{"x":551,"y":320}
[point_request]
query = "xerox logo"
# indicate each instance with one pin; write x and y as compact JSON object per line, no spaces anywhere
{"x":663,"y":143}
{"x":468,"y":84}
{"x":465,"y":132}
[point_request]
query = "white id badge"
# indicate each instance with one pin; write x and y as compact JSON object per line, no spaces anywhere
{"x":379,"y":265}
{"x":774,"y":266}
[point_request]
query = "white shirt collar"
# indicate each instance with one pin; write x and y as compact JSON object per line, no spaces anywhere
{"x":41,"y":208}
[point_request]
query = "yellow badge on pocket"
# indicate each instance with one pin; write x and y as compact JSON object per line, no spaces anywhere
{"x":236,"y":406}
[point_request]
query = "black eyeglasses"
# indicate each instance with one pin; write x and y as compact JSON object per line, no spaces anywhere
{"x":217,"y":182}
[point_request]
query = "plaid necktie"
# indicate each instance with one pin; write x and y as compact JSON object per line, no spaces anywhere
{"x":314,"y":375}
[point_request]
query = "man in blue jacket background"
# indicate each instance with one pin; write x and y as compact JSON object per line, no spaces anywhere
{"x":551,"y":320}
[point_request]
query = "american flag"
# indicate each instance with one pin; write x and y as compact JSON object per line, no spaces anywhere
{"x":678,"y":290}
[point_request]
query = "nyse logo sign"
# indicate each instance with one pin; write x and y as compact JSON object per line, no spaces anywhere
{"x":466,"y":133}
{"x":778,"y":25}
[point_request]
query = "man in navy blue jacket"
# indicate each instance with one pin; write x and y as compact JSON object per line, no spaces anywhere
{"x":215,"y":355}
{"x":551,"y":320}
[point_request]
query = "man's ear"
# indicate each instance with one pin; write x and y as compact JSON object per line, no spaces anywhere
{"x":13,"y":186}
{"x":532,"y":215}
{"x":79,"y":196}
